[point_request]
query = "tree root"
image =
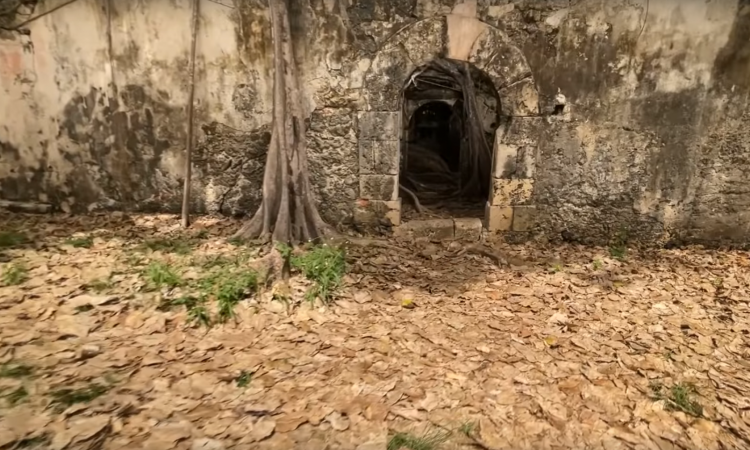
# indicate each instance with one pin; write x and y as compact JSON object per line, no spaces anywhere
{"x":343,"y":241}
{"x":498,"y":258}
{"x":415,"y":201}
{"x":271,"y":266}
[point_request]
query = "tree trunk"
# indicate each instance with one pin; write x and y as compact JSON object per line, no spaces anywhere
{"x":190,"y":114}
{"x":287,"y":212}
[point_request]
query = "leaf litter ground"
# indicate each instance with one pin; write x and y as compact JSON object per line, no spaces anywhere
{"x":103,"y":345}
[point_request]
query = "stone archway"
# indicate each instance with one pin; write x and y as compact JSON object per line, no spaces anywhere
{"x":459,"y":35}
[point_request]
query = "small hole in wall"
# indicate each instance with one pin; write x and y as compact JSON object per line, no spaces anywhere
{"x":559,"y":110}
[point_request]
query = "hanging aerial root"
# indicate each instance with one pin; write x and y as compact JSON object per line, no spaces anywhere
{"x":415,"y":201}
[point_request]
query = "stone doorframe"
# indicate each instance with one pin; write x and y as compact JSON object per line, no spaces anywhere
{"x":459,"y":36}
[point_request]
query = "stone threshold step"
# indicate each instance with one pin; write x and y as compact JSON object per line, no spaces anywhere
{"x":441,"y":229}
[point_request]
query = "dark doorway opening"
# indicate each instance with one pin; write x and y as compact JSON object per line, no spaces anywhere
{"x":433,"y":130}
{"x":439,"y":135}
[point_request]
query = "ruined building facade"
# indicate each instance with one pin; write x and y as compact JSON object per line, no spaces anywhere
{"x":624,"y":115}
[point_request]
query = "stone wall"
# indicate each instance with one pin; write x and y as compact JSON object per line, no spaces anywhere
{"x":627,"y":115}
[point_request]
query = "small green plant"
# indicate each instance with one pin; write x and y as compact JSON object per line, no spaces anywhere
{"x":228,"y":287}
{"x":16,"y":396}
{"x":324,"y":265}
{"x":195,"y":307}
{"x":285,"y":250}
{"x":214,"y":261}
{"x":244,"y":379}
{"x":597,"y":264}
{"x":618,"y":248}
{"x":430,"y":440}
{"x":198,"y":315}
{"x":80,"y":242}
{"x":467,"y":428}
{"x":38,"y":442}
{"x":679,"y":397}
{"x":14,"y":274}
{"x":178,"y":246}
{"x":232,"y":289}
{"x":237,"y":241}
{"x":159,"y":274}
{"x":556,"y":267}
{"x":84,"y":308}
{"x":11,"y":239}
{"x":187,"y":301}
{"x":15,"y":371}
{"x":63,"y":398}
{"x":100,"y":285}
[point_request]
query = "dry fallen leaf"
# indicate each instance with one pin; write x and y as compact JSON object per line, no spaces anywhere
{"x":549,"y":358}
{"x":261,"y":430}
{"x":338,"y":422}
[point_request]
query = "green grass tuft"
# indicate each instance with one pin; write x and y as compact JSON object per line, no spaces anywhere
{"x":325,"y":266}
{"x":228,"y":287}
{"x":159,"y":274}
{"x":432,"y":440}
{"x":244,"y":379}
{"x":618,"y":247}
{"x":467,"y":428}
{"x":195,"y":307}
{"x":200,"y":316}
{"x":679,"y":397}
{"x":80,"y":242}
{"x":35,"y":442}
{"x":178,"y":246}
{"x":12,"y":239}
{"x":16,"y":396}
{"x":63,"y":398}
{"x":14,"y":274}
{"x":100,"y":285}
{"x":15,"y":371}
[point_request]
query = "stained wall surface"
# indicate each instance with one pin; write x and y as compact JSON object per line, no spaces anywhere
{"x":653,"y":138}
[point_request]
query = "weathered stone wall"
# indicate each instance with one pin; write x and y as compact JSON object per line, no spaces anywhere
{"x":652,"y":137}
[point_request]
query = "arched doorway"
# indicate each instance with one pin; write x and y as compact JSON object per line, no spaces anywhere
{"x":384,"y":116}
{"x":450,"y":113}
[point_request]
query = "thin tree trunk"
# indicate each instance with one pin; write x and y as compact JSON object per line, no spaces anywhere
{"x":287,"y":212}
{"x":190,"y":114}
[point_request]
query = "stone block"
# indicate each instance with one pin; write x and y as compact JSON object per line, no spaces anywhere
{"x":526,"y":162}
{"x":511,"y":192}
{"x":434,"y":229}
{"x":523,"y":217}
{"x":379,"y":125}
{"x":371,"y":212}
{"x":504,"y":164}
{"x":378,"y":157}
{"x":498,"y":218}
{"x":514,"y":161}
{"x":463,"y":32}
{"x":378,"y":187}
{"x":499,"y":58}
{"x":424,"y":40}
{"x":469,"y":229}
{"x":383,"y":83}
{"x":522,"y":131}
{"x":520,"y":99}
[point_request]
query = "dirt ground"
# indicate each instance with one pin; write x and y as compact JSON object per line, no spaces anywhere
{"x":421,"y":349}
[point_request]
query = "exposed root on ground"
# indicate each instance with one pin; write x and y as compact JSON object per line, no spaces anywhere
{"x":498,"y":258}
{"x":415,"y":201}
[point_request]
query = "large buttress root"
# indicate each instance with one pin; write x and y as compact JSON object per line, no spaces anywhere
{"x":287,"y":212}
